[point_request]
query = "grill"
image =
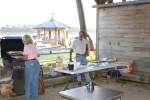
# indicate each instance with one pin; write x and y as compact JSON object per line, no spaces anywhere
{"x":10,"y":48}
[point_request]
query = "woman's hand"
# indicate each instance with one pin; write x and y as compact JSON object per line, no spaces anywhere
{"x":17,"y":57}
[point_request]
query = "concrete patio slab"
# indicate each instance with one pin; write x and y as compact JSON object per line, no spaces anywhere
{"x":132,"y":90}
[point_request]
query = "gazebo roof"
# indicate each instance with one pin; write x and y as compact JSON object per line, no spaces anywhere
{"x":51,"y":24}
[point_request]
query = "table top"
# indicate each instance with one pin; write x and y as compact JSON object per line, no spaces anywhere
{"x":90,"y":67}
{"x":98,"y":93}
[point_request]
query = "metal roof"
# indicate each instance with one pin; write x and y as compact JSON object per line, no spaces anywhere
{"x":51,"y":24}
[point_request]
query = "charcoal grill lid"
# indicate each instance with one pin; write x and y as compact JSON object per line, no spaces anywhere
{"x":10,"y":44}
{"x":12,"y":37}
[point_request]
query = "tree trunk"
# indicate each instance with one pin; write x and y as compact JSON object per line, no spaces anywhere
{"x":81,"y":15}
{"x":82,"y":19}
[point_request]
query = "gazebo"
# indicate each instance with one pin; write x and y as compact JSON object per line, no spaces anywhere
{"x":52,"y":26}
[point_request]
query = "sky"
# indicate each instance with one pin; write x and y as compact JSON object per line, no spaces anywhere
{"x":33,"y":12}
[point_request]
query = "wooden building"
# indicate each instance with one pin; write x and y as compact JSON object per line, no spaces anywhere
{"x":123,"y":29}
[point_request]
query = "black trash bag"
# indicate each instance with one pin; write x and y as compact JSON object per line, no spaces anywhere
{"x":114,"y":73}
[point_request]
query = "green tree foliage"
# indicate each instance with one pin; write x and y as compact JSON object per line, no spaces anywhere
{"x":29,"y":28}
{"x":17,"y":28}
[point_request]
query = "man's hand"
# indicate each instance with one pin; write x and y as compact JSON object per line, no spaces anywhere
{"x":86,"y":35}
{"x":70,"y":60}
{"x":90,"y":40}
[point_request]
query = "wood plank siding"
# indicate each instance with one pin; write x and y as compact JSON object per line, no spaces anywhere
{"x":124,"y":31}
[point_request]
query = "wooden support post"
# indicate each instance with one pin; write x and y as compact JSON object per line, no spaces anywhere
{"x":44,"y":35}
{"x":66,"y":34}
{"x":38,"y":34}
{"x":50,"y":34}
{"x":64,"y":37}
{"x":56,"y":37}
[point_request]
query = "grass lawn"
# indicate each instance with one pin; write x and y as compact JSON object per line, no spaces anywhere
{"x":48,"y":59}
{"x":51,"y":58}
